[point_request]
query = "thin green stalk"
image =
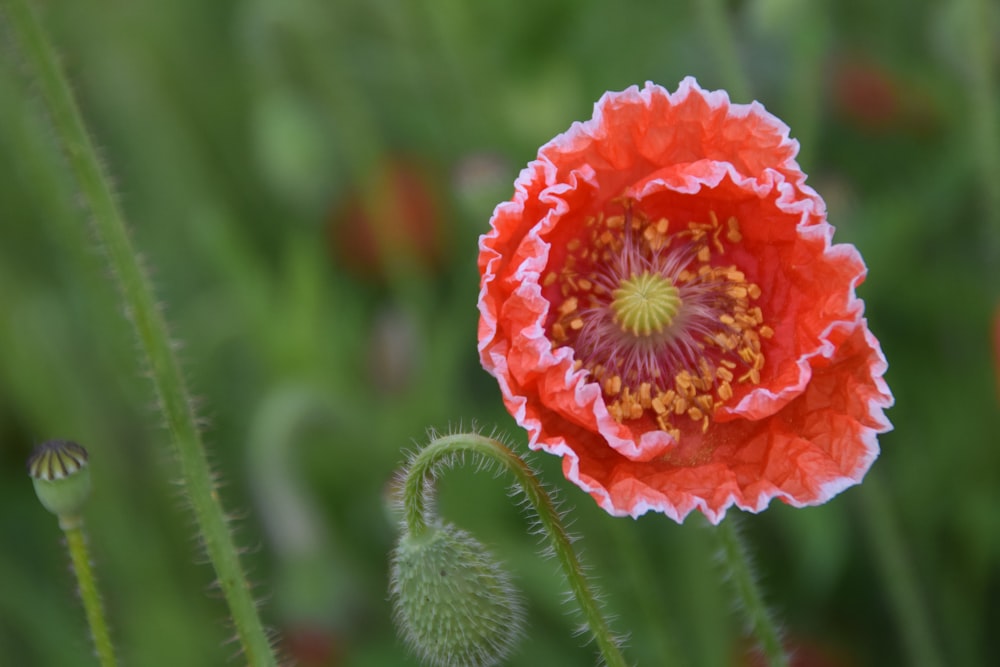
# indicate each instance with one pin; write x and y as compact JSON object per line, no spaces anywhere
{"x":415,"y":500}
{"x":659,"y":625}
{"x":908,"y":606}
{"x":715,"y":23}
{"x":985,"y":112}
{"x":736,"y":559}
{"x":150,"y":329}
{"x":76,"y":541}
{"x":736,"y":556}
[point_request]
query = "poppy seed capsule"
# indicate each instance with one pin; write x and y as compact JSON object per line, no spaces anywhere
{"x":454,"y":603}
{"x":59,"y":472}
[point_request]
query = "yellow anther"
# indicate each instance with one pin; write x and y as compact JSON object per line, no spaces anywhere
{"x":680,"y":405}
{"x":645,"y":394}
{"x":724,"y":390}
{"x":734,"y":235}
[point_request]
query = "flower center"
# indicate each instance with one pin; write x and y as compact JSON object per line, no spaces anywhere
{"x":645,"y":304}
{"x":658,"y":316}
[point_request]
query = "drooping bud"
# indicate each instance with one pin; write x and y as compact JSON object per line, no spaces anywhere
{"x":454,"y":603}
{"x":59,"y":471}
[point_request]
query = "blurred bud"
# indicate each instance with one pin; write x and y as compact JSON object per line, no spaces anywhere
{"x":479,"y":181}
{"x":454,"y":603}
{"x":394,"y":349}
{"x":59,"y":471}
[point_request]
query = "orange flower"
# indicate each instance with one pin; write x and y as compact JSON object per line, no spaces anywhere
{"x":663,"y":308}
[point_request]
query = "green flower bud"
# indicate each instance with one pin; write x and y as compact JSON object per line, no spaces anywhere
{"x":59,"y":471}
{"x":454,"y":603}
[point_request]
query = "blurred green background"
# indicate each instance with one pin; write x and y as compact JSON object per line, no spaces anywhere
{"x":307,"y":180}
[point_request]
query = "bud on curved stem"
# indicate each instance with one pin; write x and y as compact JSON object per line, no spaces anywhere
{"x":420,"y":524}
{"x":454,"y":603}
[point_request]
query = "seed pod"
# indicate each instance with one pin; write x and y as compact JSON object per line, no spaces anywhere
{"x":59,"y":471}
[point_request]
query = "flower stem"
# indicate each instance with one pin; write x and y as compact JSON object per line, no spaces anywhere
{"x":76,"y":541}
{"x":715,"y":23}
{"x":984,"y":111}
{"x":901,"y":581}
{"x":150,"y":329}
{"x":736,"y":559}
{"x":416,"y":499}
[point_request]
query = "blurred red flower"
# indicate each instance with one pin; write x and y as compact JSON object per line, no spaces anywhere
{"x":392,"y":219}
{"x":663,"y":308}
{"x":874,"y":99}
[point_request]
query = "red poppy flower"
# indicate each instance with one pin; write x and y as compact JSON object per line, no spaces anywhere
{"x":393,"y":216}
{"x":663,"y":308}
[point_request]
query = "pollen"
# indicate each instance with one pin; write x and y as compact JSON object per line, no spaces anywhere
{"x":659,"y":316}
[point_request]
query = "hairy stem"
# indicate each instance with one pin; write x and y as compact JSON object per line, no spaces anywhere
{"x":736,"y":559}
{"x":415,"y":501}
{"x":76,"y":542}
{"x":150,"y":328}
